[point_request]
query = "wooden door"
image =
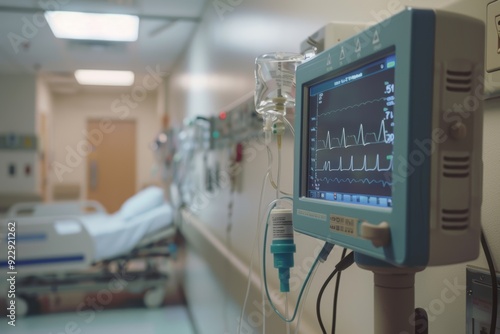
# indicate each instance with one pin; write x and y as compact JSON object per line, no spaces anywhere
{"x":43,"y":156}
{"x":111,"y":165}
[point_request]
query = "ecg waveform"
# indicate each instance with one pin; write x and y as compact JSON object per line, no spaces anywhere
{"x":353,"y":106}
{"x":350,"y":135}
{"x":364,"y":168}
{"x":361,"y":139}
{"x":351,"y":181}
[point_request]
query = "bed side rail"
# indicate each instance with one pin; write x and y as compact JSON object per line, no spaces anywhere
{"x":37,"y":209}
{"x":45,"y":244}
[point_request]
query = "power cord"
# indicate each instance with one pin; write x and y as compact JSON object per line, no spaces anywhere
{"x":336,"y":296}
{"x":345,"y":263}
{"x":494,"y":286}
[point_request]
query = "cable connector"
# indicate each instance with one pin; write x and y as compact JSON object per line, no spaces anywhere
{"x":283,"y":245}
{"x":325,"y":251}
{"x":346,"y":262}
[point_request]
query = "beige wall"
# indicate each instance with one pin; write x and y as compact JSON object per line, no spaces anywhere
{"x":218,"y":69}
{"x":71,"y":112}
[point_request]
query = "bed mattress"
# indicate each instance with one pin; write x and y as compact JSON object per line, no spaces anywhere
{"x":114,"y":236}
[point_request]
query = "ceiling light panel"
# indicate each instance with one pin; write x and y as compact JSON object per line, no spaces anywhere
{"x":93,"y":26}
{"x":104,"y":78}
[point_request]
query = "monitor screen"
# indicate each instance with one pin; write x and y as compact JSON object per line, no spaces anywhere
{"x":351,"y":134}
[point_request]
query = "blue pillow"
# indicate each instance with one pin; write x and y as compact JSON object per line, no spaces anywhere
{"x":145,"y":200}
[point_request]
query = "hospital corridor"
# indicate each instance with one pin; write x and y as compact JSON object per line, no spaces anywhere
{"x":249,"y":167}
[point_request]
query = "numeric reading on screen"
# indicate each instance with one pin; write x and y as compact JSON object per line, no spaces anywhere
{"x":351,"y":135}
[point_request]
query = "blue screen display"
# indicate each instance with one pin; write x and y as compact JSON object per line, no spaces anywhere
{"x":351,"y":135}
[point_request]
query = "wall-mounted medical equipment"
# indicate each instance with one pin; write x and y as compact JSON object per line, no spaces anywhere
{"x":182,"y":187}
{"x":15,"y":141}
{"x":479,"y":303}
{"x":238,"y":122}
{"x":164,"y":147}
{"x":202,"y":140}
{"x":389,"y":140}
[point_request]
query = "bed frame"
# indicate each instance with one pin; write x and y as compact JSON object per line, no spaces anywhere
{"x":59,"y":223}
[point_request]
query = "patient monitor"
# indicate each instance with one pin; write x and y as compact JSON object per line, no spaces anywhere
{"x":389,"y":140}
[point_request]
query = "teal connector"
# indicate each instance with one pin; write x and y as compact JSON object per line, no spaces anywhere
{"x":283,"y":260}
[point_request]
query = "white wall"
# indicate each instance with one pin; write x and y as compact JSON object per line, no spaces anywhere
{"x":17,"y":116}
{"x":17,"y":93}
{"x":70,"y":115}
{"x":218,"y":69}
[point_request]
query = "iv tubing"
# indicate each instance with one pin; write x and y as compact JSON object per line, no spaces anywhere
{"x":256,"y":244}
{"x":290,"y":126}
{"x":278,"y":177}
{"x":287,"y":324}
{"x":306,"y":292}
{"x":271,"y":179}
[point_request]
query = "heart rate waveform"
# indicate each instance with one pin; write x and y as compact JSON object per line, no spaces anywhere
{"x":350,"y":132}
{"x":384,"y":183}
{"x":354,"y":106}
{"x":361,"y":139}
{"x":364,"y":166}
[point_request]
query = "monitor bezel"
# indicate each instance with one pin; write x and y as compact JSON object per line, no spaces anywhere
{"x":413,"y":118}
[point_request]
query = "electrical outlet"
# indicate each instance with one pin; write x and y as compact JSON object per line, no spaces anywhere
{"x":492,"y":61}
{"x":12,"y":170}
{"x":493,"y":36}
{"x":479,"y":301}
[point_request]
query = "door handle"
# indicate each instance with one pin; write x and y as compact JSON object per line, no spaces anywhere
{"x":94,"y":174}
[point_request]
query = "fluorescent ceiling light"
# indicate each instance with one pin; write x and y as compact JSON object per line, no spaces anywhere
{"x":104,"y":78}
{"x":90,"y":26}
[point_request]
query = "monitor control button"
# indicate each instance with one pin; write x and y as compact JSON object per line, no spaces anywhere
{"x":458,"y":130}
{"x":380,"y":235}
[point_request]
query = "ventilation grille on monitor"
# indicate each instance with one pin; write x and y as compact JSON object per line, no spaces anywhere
{"x":456,"y":166}
{"x":458,"y":81}
{"x":456,"y":170}
{"x":455,"y":219}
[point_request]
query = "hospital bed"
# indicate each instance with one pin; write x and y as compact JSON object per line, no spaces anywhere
{"x":78,"y":245}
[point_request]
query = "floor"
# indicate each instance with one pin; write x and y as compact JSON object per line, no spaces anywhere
{"x":172,"y":319}
{"x":78,"y":312}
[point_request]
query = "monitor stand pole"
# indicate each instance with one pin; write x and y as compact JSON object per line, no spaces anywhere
{"x":394,"y":299}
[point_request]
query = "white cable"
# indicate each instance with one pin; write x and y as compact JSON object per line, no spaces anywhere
{"x":290,"y":126}
{"x":306,"y":292}
{"x":286,"y":313}
{"x":278,"y":177}
{"x":261,"y":276}
{"x":256,"y":244}
{"x":257,"y":240}
{"x":247,"y":292}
